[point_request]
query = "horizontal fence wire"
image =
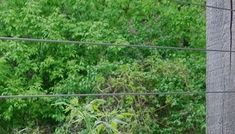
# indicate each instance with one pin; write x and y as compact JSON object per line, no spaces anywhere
{"x":113,"y":94}
{"x":150,"y":46}
{"x":204,"y":5}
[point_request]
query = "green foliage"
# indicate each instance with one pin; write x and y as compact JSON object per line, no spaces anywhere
{"x":40,"y":68}
{"x":90,"y":119}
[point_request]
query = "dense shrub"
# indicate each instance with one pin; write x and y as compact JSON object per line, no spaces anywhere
{"x":44,"y":68}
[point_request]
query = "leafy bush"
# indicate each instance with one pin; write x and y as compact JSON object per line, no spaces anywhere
{"x":45,"y":68}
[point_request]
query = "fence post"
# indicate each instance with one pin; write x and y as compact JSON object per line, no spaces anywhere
{"x":220,"y":68}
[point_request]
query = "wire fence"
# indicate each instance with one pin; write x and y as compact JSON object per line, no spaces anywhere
{"x":147,"y":46}
{"x":113,"y":94}
{"x":204,"y":5}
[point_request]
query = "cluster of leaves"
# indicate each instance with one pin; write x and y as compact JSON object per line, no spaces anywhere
{"x":44,"y":68}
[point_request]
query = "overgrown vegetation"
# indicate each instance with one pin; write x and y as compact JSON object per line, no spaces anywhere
{"x":44,"y":68}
